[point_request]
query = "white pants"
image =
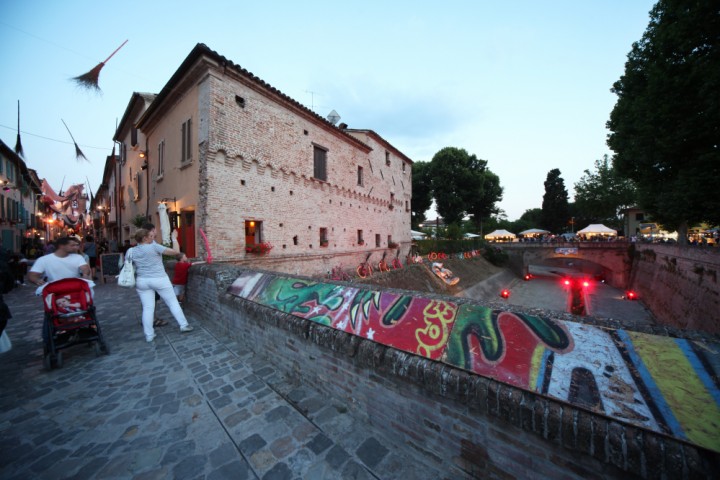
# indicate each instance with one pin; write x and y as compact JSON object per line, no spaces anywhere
{"x":146,"y":288}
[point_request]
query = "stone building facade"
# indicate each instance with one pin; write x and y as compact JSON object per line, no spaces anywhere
{"x":236,"y":158}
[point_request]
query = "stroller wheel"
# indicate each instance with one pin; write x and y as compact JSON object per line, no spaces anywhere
{"x":46,"y":362}
{"x":59,"y":360}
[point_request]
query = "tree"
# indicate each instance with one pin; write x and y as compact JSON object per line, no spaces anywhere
{"x":421,"y":193}
{"x":666,"y":122}
{"x":601,"y":195}
{"x":462,"y":184}
{"x":483,"y":204}
{"x":555,"y":211}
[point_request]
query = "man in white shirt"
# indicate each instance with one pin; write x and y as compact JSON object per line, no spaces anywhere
{"x":65,"y":262}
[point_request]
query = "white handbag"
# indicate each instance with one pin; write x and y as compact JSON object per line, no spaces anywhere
{"x":127,"y":273}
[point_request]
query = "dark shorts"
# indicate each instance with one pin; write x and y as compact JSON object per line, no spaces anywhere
{"x":92,"y":261}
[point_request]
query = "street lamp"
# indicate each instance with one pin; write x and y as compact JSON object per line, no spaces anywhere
{"x":572,"y":224}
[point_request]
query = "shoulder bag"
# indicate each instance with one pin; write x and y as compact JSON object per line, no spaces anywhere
{"x":127,"y":274}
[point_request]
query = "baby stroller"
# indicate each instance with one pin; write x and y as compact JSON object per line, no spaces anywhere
{"x":69,"y":320}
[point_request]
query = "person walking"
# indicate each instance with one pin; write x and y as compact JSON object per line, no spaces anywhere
{"x":151,"y":278}
{"x":64,"y":262}
{"x":91,"y":250}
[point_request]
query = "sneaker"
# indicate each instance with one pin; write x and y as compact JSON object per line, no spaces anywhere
{"x":150,"y":339}
{"x":186,"y":329}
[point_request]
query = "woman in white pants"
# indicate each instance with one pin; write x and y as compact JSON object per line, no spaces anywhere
{"x":151,"y":278}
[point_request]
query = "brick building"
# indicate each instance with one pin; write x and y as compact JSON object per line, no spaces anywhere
{"x":233,"y":156}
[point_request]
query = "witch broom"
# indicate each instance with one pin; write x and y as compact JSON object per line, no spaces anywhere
{"x":90,"y":79}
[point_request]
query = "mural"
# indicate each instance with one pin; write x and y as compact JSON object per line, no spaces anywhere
{"x":663,"y":384}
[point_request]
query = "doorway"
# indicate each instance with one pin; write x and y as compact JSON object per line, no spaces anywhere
{"x":186,"y":233}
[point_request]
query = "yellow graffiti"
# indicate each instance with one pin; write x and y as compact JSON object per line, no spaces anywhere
{"x":438,"y":317}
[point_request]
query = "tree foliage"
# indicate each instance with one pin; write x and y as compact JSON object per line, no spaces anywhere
{"x":462,"y":185}
{"x":555,"y":210}
{"x":665,"y":126}
{"x":421,"y":193}
{"x":600,"y":196}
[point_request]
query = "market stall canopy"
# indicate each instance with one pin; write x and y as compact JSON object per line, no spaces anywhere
{"x":471,"y":235}
{"x":534,"y":231}
{"x":500,"y":234}
{"x":417,"y":235}
{"x":597,"y":229}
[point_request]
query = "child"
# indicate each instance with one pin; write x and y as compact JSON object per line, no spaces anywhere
{"x":65,"y":305}
{"x":180,"y":278}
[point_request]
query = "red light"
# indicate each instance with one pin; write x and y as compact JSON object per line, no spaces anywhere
{"x":528,"y":277}
{"x":631,"y":295}
{"x":566,"y":282}
{"x":505,"y":293}
{"x":586,"y":284}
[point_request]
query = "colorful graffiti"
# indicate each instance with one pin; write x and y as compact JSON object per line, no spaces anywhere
{"x":664,"y":384}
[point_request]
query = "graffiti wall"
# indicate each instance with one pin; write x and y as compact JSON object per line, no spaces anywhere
{"x":664,"y":384}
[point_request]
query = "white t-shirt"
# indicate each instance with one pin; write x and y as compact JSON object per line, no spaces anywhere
{"x":57,"y":268}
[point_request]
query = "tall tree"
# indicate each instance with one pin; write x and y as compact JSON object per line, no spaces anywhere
{"x":462,"y":184}
{"x":421,"y":193}
{"x":601,"y":195}
{"x":555,"y":211}
{"x":666,"y":122}
{"x":484,"y":203}
{"x":456,"y":175}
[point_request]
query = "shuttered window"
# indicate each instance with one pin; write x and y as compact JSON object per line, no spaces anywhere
{"x":186,"y":142}
{"x":320,"y":163}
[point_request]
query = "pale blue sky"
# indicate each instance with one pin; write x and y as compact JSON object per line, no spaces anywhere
{"x":523,"y":84}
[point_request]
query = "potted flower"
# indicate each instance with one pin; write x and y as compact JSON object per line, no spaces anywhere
{"x":323,"y":243}
{"x":262,"y":248}
{"x":392,"y":245}
{"x":361,"y":243}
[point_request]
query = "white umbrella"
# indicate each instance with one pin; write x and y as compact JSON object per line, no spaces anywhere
{"x":534,"y":231}
{"x":164,"y":224}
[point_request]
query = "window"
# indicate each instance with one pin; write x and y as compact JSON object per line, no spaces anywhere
{"x":360,"y":239}
{"x":392,"y":201}
{"x":403,"y":164}
{"x":320,"y":163}
{"x":390,"y":242}
{"x":407,"y":206}
{"x":360,"y":176}
{"x":323,"y":237}
{"x":136,"y":186}
{"x":186,"y":156}
{"x":253,"y":232}
{"x":161,"y":159}
{"x":377,"y":239}
{"x":133,"y":137}
{"x":387,"y":158}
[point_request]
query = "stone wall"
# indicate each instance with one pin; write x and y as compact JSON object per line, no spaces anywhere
{"x":680,"y":285}
{"x":471,"y":425}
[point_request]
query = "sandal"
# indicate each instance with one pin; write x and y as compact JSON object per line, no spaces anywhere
{"x":159,"y":322}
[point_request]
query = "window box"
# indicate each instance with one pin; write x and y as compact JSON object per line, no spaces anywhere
{"x":259,"y":248}
{"x":324,"y":243}
{"x":392,"y":245}
{"x":361,"y":243}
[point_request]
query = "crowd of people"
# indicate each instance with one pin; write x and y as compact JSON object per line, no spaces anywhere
{"x":72,"y":257}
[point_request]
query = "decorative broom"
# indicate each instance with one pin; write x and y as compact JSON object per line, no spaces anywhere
{"x":90,"y":79}
{"x":18,"y":145}
{"x":78,"y":153}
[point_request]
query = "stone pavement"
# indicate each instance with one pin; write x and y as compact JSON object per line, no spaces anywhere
{"x":187,"y":406}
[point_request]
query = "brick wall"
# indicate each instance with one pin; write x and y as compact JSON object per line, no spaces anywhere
{"x":259,"y":166}
{"x":680,"y":285}
{"x":472,"y":426}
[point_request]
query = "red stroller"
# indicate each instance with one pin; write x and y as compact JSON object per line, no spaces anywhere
{"x":69,"y":320}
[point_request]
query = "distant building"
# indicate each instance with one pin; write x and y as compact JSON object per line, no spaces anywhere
{"x":233,"y":156}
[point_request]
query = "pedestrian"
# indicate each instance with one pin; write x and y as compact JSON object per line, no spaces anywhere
{"x":91,"y":250}
{"x":152,"y":278}
{"x":65,"y":262}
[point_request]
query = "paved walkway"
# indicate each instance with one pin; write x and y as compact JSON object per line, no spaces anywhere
{"x":187,"y":406}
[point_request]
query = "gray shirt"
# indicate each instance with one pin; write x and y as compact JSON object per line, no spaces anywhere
{"x":147,"y":259}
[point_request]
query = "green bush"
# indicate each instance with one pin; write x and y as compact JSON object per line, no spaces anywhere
{"x":495,"y":256}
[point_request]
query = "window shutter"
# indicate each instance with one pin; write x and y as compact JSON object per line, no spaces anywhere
{"x":183,"y":157}
{"x":133,"y":137}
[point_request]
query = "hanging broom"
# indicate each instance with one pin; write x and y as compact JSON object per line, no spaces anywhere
{"x":90,"y":79}
{"x":18,"y":145}
{"x":78,"y":153}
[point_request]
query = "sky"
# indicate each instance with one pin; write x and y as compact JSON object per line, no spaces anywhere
{"x":523,"y":84}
